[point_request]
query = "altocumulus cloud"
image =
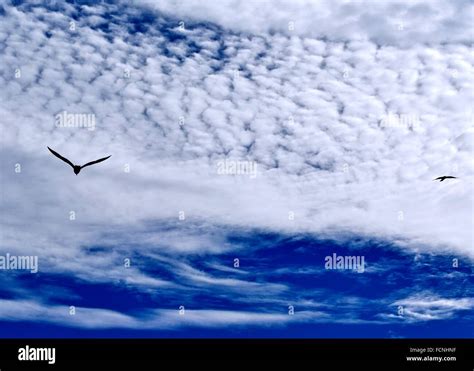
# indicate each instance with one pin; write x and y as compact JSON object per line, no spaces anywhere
{"x":348,"y":118}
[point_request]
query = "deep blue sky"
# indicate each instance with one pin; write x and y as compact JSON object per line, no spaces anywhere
{"x":273,"y":259}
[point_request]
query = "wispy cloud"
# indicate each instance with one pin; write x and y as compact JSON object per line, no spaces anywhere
{"x":427,"y":307}
{"x":11,"y":310}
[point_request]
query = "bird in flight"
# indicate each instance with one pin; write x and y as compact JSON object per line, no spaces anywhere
{"x":441,"y":178}
{"x":77,"y":168}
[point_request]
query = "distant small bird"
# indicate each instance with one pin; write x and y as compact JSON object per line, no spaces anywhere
{"x":441,"y":178}
{"x":77,"y":168}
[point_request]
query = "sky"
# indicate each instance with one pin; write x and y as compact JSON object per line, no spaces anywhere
{"x":250,"y":142}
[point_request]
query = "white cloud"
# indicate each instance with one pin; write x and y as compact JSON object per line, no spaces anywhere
{"x":427,"y":307}
{"x":392,"y":21}
{"x":303,"y":124}
{"x":94,"y":318}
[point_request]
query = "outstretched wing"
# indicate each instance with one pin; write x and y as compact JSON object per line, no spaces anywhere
{"x":61,"y":157}
{"x":441,"y":178}
{"x":96,"y":161}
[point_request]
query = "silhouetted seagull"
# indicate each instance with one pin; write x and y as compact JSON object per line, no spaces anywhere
{"x":441,"y":178}
{"x":77,"y":168}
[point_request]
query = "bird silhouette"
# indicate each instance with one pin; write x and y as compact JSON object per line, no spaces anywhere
{"x":441,"y":178}
{"x":77,"y":168}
